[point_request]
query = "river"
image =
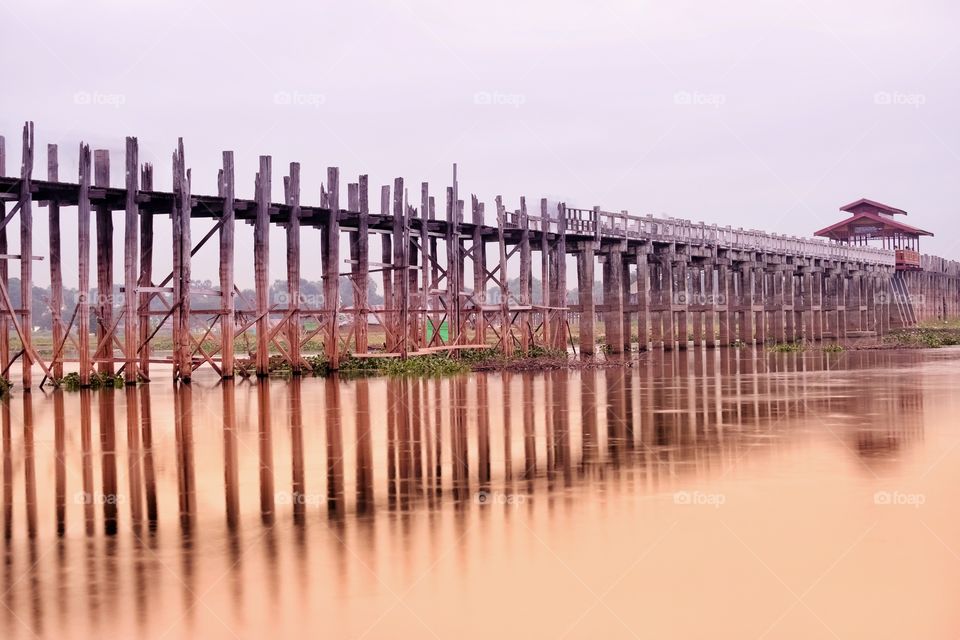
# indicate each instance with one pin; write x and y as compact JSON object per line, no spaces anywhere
{"x":692,"y":494}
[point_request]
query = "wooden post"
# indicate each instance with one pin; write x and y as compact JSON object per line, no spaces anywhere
{"x":56,"y":266}
{"x":104,"y":303}
{"x":506,"y":343}
{"x":83,"y":266}
{"x":558,"y":281}
{"x":261,"y":258}
{"x":546,"y":286}
{"x":526,"y":331}
{"x":331,"y":282}
{"x":26,"y":255}
{"x":146,"y":273}
{"x":4,"y":269}
{"x":293,"y":268}
{"x":183,"y":359}
{"x":227,"y":295}
{"x":401,"y":280}
{"x":585,"y":260}
{"x":386,"y":259}
{"x":613,"y":300}
{"x":643,"y":301}
{"x":479,"y":271}
{"x":131,"y":239}
{"x":361,"y":300}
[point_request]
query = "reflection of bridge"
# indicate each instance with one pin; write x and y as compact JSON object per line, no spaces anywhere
{"x":665,"y":281}
{"x":364,"y":445}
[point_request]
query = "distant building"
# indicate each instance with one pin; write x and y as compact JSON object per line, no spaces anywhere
{"x":873,"y":223}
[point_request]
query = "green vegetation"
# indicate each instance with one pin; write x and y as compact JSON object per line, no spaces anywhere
{"x":832,"y":348}
{"x":5,"y":386}
{"x":71,"y":381}
{"x":787,"y":347}
{"x":925,"y":337}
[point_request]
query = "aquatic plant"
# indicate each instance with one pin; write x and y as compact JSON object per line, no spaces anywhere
{"x":787,"y":347}
{"x":98,"y":380}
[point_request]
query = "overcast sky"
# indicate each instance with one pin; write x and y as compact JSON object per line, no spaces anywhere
{"x":764,"y":115}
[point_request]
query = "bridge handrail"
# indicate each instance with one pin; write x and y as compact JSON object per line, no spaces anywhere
{"x":623,"y":225}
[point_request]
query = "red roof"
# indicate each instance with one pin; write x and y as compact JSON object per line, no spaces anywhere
{"x":863,"y":204}
{"x":886,"y":223}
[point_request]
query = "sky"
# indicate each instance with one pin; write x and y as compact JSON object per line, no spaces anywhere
{"x":764,"y":115}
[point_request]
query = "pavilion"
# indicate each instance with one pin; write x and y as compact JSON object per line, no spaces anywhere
{"x":872,"y":222}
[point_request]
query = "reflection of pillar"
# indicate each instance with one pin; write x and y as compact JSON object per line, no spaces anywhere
{"x":30,"y":467}
{"x":529,"y":434}
{"x":297,"y":483}
{"x":265,"y":452}
{"x":149,"y":472}
{"x":483,"y":432}
{"x":231,"y":473}
{"x":334,"y":446}
{"x":108,"y":448}
{"x":59,"y":446}
{"x":183,"y":422}
{"x":364,"y":448}
{"x":134,"y":467}
{"x":86,"y":448}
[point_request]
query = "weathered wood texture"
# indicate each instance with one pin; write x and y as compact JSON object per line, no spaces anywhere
{"x":664,"y":282}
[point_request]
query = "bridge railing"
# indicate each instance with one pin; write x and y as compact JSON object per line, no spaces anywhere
{"x":622,"y":225}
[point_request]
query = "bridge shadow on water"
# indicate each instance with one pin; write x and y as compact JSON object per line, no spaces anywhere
{"x":147,"y":479}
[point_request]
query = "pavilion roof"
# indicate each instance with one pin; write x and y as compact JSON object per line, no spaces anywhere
{"x":841,"y":230}
{"x":857,"y":205}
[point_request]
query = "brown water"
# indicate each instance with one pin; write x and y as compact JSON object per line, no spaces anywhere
{"x":694,"y":495}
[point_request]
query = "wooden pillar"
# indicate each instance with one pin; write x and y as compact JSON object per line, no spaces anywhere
{"x":131,"y":266}
{"x":626,"y":320}
{"x":426,"y":265}
{"x":4,"y":269}
{"x":83,"y":265}
{"x":184,"y":245}
{"x":56,"y":268}
{"x":759,"y":299}
{"x":697,"y":300}
{"x":227,"y":294}
{"x":723,"y":294}
{"x":613,"y":300}
{"x":506,"y":344}
{"x":104,"y":303}
{"x":399,"y":274}
{"x":526,"y":298}
{"x":453,"y":265}
{"x":585,"y":261}
{"x":146,"y":274}
{"x":745,"y":278}
{"x":546,"y":286}
{"x":26,"y":256}
{"x":386,"y":259}
{"x":478,"y":250}
{"x":643,"y":301}
{"x":558,"y":281}
{"x":361,"y":295}
{"x":681,"y":271}
{"x":293,"y":268}
{"x":261,"y":259}
{"x":710,"y":300}
{"x":331,"y":281}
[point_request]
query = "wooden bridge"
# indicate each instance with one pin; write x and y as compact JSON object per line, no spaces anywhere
{"x":666,"y":282}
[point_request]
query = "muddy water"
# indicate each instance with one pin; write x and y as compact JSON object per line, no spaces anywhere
{"x":722,"y":495}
